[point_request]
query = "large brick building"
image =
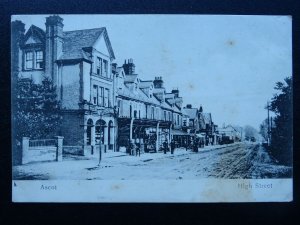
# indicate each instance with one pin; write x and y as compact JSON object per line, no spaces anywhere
{"x":101,"y":102}
{"x":79,"y":63}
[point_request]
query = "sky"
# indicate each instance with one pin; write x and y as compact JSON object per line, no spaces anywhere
{"x":227,"y":64}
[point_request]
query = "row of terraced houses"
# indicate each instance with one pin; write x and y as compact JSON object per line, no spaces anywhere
{"x":104,"y":103}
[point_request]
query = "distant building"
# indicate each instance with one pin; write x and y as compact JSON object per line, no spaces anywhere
{"x":233,"y":133}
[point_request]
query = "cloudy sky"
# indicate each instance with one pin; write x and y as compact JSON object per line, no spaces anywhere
{"x":229,"y":64}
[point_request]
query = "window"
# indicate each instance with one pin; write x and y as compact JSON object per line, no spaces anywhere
{"x":28,"y":60}
{"x":95,"y":95}
{"x":152,"y":112}
{"x":99,"y":66}
{"x":170,"y":118}
{"x":39,"y":60}
{"x":106,"y":97}
{"x":120,"y":107}
{"x":101,"y":96}
{"x":105,"y":65}
{"x":165,"y":115}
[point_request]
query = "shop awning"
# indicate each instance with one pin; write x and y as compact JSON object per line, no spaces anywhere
{"x":180,"y":132}
{"x":200,"y":136}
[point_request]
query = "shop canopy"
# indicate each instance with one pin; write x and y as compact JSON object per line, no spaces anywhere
{"x":200,"y":136}
{"x":180,"y":132}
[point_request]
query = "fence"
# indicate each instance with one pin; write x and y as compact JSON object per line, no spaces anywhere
{"x":41,"y":150}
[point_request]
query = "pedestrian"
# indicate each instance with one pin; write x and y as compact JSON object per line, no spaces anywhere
{"x":165,"y":146}
{"x":185,"y":145}
{"x":195,"y":146}
{"x":129,"y":147}
{"x":138,"y":150}
{"x":172,"y":146}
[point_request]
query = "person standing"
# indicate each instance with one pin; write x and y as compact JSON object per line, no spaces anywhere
{"x":165,"y":146}
{"x":172,"y":146}
{"x":195,"y":145}
{"x":138,"y":150}
{"x":185,"y":145}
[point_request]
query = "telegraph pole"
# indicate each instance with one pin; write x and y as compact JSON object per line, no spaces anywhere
{"x":268,"y":123}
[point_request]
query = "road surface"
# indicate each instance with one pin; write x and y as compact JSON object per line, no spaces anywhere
{"x":239,"y":160}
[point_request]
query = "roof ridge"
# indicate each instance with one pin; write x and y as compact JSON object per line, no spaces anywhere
{"x":85,"y":29}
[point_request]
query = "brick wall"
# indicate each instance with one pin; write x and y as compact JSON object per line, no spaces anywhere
{"x":72,"y":128}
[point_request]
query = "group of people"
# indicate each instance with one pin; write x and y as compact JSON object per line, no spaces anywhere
{"x":133,"y":149}
{"x":194,"y":144}
{"x":165,"y":146}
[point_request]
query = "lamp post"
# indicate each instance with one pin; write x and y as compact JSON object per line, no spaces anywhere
{"x":101,"y":114}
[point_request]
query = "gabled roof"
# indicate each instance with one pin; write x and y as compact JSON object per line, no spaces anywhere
{"x":146,"y":83}
{"x":207,"y":118}
{"x":35,"y":32}
{"x":75,"y":41}
{"x":190,"y":112}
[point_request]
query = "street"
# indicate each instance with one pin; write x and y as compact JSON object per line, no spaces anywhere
{"x":238,"y":160}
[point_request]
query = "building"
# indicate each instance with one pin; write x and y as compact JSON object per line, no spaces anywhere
{"x":80,"y":65}
{"x":147,"y":115}
{"x":103,"y":105}
{"x":233,"y":134}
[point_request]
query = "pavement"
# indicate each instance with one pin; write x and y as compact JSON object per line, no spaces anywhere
{"x":238,"y":160}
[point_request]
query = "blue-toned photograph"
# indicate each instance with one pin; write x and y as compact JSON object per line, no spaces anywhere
{"x":151,"y":97}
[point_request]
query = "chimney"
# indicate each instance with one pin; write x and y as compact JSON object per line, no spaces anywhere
{"x":158,"y":82}
{"x":129,"y":68}
{"x":54,"y":45}
{"x":189,"y":106}
{"x":201,"y":109}
{"x":175,"y":92}
{"x":17,"y":36}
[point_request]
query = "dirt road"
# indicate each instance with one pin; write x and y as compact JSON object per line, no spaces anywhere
{"x":239,"y":160}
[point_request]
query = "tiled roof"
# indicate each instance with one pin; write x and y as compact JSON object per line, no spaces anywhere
{"x":74,"y":41}
{"x":130,"y":78}
{"x":191,"y":112}
{"x":145,"y":84}
{"x":170,"y":95}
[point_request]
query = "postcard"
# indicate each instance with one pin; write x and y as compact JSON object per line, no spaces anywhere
{"x":151,"y":108}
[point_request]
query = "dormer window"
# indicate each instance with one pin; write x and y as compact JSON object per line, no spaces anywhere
{"x":28,"y":61}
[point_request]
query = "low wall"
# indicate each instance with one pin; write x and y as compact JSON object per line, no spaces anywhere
{"x":73,"y":150}
{"x":41,"y":150}
{"x":41,"y":153}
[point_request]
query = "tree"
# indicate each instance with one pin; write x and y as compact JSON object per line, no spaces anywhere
{"x":281,"y":134}
{"x":250,"y":133}
{"x":263,"y":129}
{"x":35,"y":110}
